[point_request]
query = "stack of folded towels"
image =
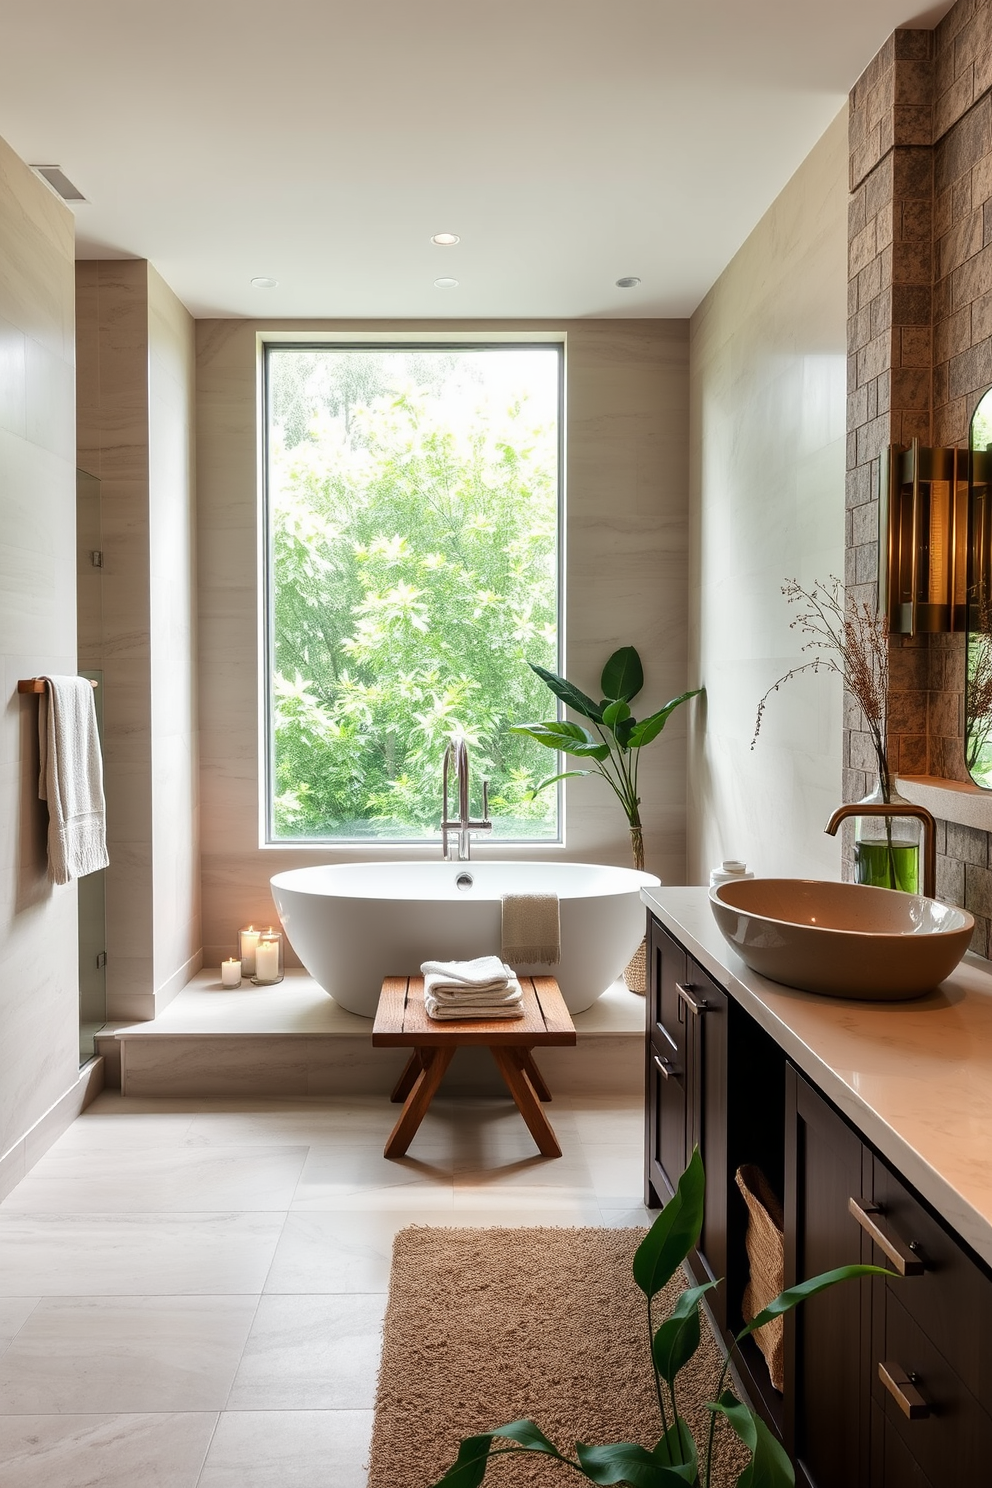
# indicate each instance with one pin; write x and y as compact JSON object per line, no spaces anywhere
{"x":483,"y":988}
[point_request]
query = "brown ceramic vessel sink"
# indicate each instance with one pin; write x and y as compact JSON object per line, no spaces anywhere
{"x":842,"y":939}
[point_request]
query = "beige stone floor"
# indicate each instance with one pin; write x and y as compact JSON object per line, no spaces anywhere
{"x":192,"y":1291}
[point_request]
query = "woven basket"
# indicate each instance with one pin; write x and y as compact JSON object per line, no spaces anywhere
{"x":635,"y":973}
{"x":766,"y":1256}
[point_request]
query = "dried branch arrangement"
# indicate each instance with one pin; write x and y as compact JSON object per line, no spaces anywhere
{"x":849,"y":638}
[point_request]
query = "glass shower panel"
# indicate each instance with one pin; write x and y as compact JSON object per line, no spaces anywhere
{"x":89,"y":628}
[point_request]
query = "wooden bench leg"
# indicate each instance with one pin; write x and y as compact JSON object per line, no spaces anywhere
{"x":433,"y":1062}
{"x":511,"y":1067}
{"x":406,"y":1080}
{"x":534,"y":1075}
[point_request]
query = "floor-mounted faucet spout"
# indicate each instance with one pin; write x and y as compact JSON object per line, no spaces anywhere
{"x":457,"y":754}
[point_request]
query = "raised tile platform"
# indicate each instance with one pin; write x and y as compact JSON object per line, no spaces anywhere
{"x":294,"y":1040}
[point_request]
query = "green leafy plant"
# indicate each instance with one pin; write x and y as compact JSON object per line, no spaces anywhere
{"x":616,"y":752}
{"x":675,"y":1460}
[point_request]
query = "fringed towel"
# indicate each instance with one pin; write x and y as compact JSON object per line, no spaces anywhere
{"x":531,"y":929}
{"x":71,"y":779}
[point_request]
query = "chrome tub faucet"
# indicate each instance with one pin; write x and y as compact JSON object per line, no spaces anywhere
{"x":457,"y":754}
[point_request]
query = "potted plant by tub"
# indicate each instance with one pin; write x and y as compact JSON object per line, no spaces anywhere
{"x":676,"y":1460}
{"x":614,"y":750}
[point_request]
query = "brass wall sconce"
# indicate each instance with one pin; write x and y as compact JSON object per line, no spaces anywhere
{"x":923,"y":575}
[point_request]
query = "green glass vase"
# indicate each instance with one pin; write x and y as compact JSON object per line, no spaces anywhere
{"x":887,"y":848}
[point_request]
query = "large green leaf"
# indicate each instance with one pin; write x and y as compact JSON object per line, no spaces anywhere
{"x":527,"y":1434}
{"x":674,"y":1232}
{"x":569,"y":738}
{"x":476,"y":1452}
{"x":625,"y":1462}
{"x":650,"y":728}
{"x":570,"y":695}
{"x":470,"y":1467}
{"x":623,"y":675}
{"x":678,"y":1337}
{"x":677,"y":1448}
{"x":769,"y":1466}
{"x":787,"y":1300}
{"x":552,"y":780}
{"x":615,"y":713}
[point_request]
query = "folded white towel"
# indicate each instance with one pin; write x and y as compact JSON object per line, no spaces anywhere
{"x":71,"y":779}
{"x":444,"y":1012}
{"x":461,"y":997}
{"x":484,"y":971}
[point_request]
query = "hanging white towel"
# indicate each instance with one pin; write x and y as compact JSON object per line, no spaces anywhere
{"x":71,"y":779}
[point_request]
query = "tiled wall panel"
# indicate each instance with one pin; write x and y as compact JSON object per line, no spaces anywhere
{"x":921,"y":248}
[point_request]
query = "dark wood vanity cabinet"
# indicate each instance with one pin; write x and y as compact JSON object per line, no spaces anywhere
{"x":888,"y":1381}
{"x":902,"y":1362}
{"x":686,"y":1080}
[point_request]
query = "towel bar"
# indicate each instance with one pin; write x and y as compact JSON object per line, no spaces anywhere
{"x":37,"y":684}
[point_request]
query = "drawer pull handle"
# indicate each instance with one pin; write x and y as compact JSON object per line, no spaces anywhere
{"x":688,"y":998}
{"x":869,"y":1217}
{"x":903,"y":1392}
{"x":665,"y":1069}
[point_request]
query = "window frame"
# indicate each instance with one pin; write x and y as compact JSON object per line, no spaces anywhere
{"x":267,"y":343}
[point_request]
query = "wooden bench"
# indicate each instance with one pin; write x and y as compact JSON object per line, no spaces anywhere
{"x":402,"y":1022}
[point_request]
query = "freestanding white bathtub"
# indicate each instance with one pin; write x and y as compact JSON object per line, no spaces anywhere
{"x":352,"y":925}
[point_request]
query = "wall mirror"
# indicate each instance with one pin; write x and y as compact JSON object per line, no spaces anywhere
{"x":978,"y":682}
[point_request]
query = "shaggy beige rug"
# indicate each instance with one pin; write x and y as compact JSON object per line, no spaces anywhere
{"x":486,"y":1326}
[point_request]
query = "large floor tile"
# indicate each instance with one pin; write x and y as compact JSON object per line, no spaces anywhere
{"x":114,"y":1254}
{"x":311,"y":1353}
{"x":330,"y":1175}
{"x":87,"y":1355}
{"x":635,"y":1215}
{"x":334,"y":1252}
{"x":14,"y":1313}
{"x":599,"y":1121}
{"x":289,"y":1449}
{"x":355,"y":1120}
{"x":159,"y":1450}
{"x":617,"y":1172}
{"x":101,"y":1131}
{"x":156,"y":1181}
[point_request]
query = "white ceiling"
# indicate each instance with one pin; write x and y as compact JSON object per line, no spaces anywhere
{"x":568,"y":142}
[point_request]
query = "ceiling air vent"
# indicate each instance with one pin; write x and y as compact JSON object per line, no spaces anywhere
{"x":59,"y":182}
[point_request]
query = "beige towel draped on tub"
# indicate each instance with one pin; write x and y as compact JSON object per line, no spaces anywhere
{"x":531,"y":929}
{"x":71,"y":779}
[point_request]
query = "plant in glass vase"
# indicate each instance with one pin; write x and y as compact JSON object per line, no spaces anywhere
{"x":850,"y":638}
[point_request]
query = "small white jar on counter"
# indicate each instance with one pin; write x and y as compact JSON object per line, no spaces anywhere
{"x":729,"y":871}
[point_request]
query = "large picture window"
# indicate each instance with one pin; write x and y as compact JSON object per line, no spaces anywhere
{"x":413,"y":508}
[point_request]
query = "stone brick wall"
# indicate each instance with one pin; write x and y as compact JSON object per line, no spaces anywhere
{"x":920,"y":357}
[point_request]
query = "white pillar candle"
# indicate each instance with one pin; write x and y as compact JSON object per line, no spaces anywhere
{"x":230,"y":973}
{"x":249,"y":945}
{"x":267,"y":960}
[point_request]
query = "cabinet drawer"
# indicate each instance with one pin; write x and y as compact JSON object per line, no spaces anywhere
{"x":951,"y":1301}
{"x":666,"y":971}
{"x":952,"y":1443}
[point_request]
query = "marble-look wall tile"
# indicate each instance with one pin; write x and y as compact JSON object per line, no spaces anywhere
{"x":38,"y":995}
{"x":767,"y":496}
{"x":135,"y":411}
{"x":626,"y":543}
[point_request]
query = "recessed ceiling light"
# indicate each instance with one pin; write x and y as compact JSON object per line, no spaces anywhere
{"x":445,"y":240}
{"x":445,"y":283}
{"x":264,"y":283}
{"x":629,"y":281}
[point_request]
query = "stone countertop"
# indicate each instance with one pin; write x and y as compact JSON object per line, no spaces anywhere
{"x":914,"y":1077}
